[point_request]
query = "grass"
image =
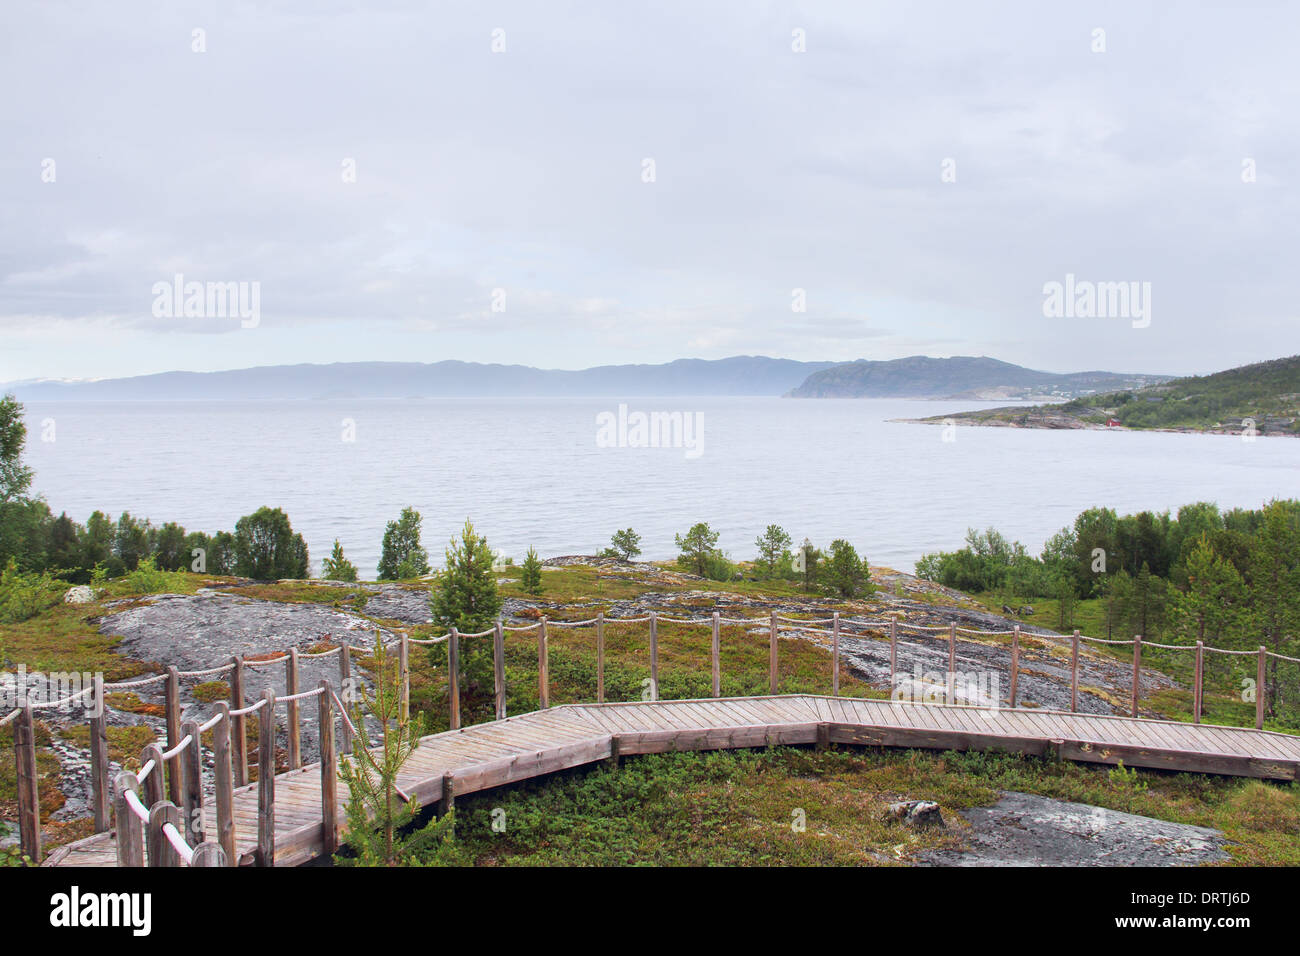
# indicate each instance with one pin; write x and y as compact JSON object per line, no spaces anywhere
{"x":741,"y":808}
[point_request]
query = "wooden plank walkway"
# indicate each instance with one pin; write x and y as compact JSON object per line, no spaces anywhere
{"x":489,"y":755}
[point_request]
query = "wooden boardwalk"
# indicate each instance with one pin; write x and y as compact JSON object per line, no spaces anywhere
{"x":488,"y":755}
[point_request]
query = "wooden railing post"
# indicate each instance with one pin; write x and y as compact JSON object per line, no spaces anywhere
{"x":291,"y":711}
{"x":192,"y":807}
{"x":266,"y":780}
{"x":1259,"y":687}
{"x":172,"y":705}
{"x":951,"y":696}
{"x":543,"y":667}
{"x":345,"y":695}
{"x":223,"y":783}
{"x":130,"y":830}
{"x":238,"y":729}
{"x":101,"y":787}
{"x":329,"y":768}
{"x":715,"y":654}
{"x":654,"y":656}
{"x":499,"y":669}
{"x":893,"y":654}
{"x":835,"y":654}
{"x":1137,"y":666}
{"x":29,"y":801}
{"x":1015,"y":664}
{"x":210,"y":855}
{"x":154,"y":786}
{"x":600,"y":657}
{"x":1074,"y":673}
{"x":771,"y":654}
{"x":1198,"y":688}
{"x":453,"y":677}
{"x":161,"y":851}
{"x":404,"y":675}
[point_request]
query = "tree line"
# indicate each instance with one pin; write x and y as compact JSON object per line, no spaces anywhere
{"x":1228,"y":578}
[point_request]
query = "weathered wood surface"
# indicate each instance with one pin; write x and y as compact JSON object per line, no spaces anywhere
{"x":490,"y":754}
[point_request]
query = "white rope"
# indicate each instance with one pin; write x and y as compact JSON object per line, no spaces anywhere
{"x":586,"y":623}
{"x":1281,"y":657}
{"x":41,"y":705}
{"x":210,"y":672}
{"x":490,"y":630}
{"x":168,"y":754}
{"x":10,"y":716}
{"x":1169,"y":647}
{"x":216,"y":719}
{"x":743,"y":621}
{"x":532,"y":627}
{"x":299,"y":696}
{"x":1219,"y":650}
{"x":266,"y":663}
{"x":627,"y":620}
{"x":138,"y":808}
{"x":127,"y":685}
{"x":178,"y":842}
{"x":323,"y":653}
{"x":249,"y":709}
{"x":1101,"y":640}
{"x":815,"y":620}
{"x":343,"y":712}
{"x":430,"y":640}
{"x":145,"y":771}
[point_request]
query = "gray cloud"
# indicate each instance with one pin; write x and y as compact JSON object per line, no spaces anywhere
{"x":522,"y":171}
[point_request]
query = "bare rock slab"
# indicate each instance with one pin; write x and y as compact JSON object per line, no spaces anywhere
{"x":1026,"y":830}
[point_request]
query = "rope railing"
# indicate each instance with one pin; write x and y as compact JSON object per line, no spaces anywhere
{"x":177,"y":771}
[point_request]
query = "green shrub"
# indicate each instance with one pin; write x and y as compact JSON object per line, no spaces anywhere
{"x":23,"y":595}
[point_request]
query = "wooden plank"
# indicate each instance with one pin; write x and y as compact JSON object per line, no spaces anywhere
{"x":654,"y":656}
{"x":715,"y":657}
{"x":453,"y":677}
{"x":771,"y":654}
{"x":223,"y":822}
{"x":100,"y":785}
{"x":543,"y":667}
{"x":266,"y":780}
{"x":328,"y":773}
{"x":191,"y":809}
{"x":499,"y":670}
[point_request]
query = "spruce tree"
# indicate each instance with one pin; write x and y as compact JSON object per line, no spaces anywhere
{"x":531,"y":573}
{"x":336,"y":567}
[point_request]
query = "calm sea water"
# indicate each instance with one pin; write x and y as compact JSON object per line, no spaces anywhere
{"x":532,"y":472}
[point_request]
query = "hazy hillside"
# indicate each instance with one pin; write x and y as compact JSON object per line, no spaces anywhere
{"x":919,"y":376}
{"x":1267,"y":393}
{"x":740,"y":375}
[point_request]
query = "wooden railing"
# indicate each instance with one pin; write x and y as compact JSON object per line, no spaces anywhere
{"x":159,"y":810}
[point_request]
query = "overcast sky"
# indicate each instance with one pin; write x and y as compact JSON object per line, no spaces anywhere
{"x":524,"y":171}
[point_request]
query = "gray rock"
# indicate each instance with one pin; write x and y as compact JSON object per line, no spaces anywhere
{"x":1026,"y":830}
{"x":921,"y":814}
{"x":79,"y":594}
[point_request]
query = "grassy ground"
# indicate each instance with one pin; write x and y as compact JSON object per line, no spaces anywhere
{"x":744,"y":808}
{"x":716,"y":808}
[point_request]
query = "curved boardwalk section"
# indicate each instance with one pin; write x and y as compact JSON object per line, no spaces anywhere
{"x":489,"y":755}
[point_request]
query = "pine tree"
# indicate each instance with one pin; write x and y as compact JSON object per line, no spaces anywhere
{"x":774,"y":557}
{"x":402,"y":555}
{"x":531,"y":573}
{"x":697,"y":546}
{"x":466,"y":598}
{"x":1275,"y":588}
{"x":338,"y":568}
{"x":845,"y":572}
{"x":376,"y":812}
{"x":625,"y":545}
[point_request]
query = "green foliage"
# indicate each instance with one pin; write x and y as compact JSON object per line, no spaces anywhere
{"x":845,"y":573}
{"x":336,"y":567}
{"x":466,"y":598}
{"x":530,"y":573}
{"x":402,"y":555}
{"x":15,"y":477}
{"x":381,"y":825}
{"x":266,"y":547}
{"x":147,"y":578}
{"x":1125,"y":778}
{"x":775,"y":559}
{"x":697,"y":547}
{"x":625,"y":544}
{"x":23,"y":595}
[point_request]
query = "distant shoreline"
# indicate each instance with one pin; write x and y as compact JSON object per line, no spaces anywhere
{"x":1076,"y":425}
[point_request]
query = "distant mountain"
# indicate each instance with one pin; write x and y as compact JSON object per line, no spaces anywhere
{"x":919,"y":376}
{"x":740,"y":375}
{"x":1266,"y":394}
